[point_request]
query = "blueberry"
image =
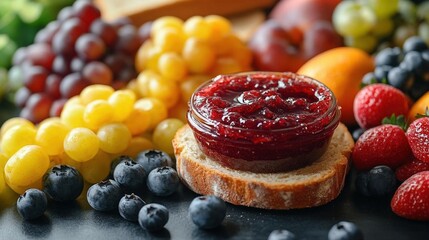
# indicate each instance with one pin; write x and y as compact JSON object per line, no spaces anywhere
{"x":369,"y":78}
{"x":380,"y":72}
{"x":399,"y":77}
{"x":414,"y":43}
{"x":153,"y":216}
{"x":32,"y":204}
{"x":129,"y":207}
{"x":362,"y":183}
{"x":151,"y":159}
{"x":163,"y":181}
{"x":104,"y":196}
{"x":116,"y":161}
{"x":63,"y":183}
{"x":357,"y":133}
{"x":281,"y":235}
{"x":413,"y":62}
{"x":130,"y":175}
{"x":207,"y":211}
{"x":345,"y":231}
{"x":388,"y":56}
{"x":381,"y":181}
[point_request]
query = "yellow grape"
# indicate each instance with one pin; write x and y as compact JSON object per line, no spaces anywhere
{"x":122,"y":102}
{"x":97,"y":168}
{"x":164,"y":134}
{"x":16,"y":138}
{"x":3,"y":161}
{"x":26,"y":166}
{"x":137,"y":145}
{"x":153,"y":55}
{"x":50,"y":136}
{"x":179,"y":111}
{"x":190,"y":84}
{"x":21,"y":189}
{"x":156,"y":110}
{"x":143,"y":80}
{"x":165,"y":90}
{"x":198,"y":55}
{"x":114,"y":137}
{"x":67,"y":160}
{"x":197,"y":27}
{"x":166,"y":22}
{"x":138,"y":121}
{"x":72,"y":116}
{"x":97,"y":113}
{"x":243,"y":56}
{"x":172,"y":66}
{"x":133,"y":86}
{"x":72,"y":102}
{"x":142,"y":55}
{"x":2,"y":181}
{"x":226,"y":65}
{"x":169,"y":39}
{"x":50,"y":120}
{"x":12,"y":122}
{"x":226,"y":45}
{"x":219,"y":26}
{"x":55,"y":160}
{"x":95,"y":92}
{"x":81,"y":144}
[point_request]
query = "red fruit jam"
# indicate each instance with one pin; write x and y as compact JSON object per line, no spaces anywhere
{"x":263,"y":121}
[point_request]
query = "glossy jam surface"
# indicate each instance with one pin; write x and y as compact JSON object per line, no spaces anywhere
{"x":280,"y":119}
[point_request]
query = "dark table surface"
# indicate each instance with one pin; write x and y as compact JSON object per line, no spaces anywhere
{"x":77,"y":220}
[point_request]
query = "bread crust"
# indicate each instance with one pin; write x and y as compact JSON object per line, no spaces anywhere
{"x":314,"y":185}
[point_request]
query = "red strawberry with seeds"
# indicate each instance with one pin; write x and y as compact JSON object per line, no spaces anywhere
{"x":408,"y":169}
{"x":377,"y":101}
{"x":411,"y":199}
{"x":418,"y":137}
{"x":382,"y":145}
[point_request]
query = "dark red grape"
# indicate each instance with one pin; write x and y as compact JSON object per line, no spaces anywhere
{"x":38,"y":106}
{"x":97,"y":73}
{"x":21,"y":97}
{"x":66,"y":13}
{"x":77,"y":64}
{"x":128,"y":41}
{"x":72,"y":85}
{"x":64,"y":40}
{"x":19,"y":56}
{"x":52,"y":88}
{"x":117,"y":62}
{"x":47,"y":34}
{"x":90,"y":47}
{"x":40,"y":54}
{"x":35,"y":78}
{"x":120,"y":22}
{"x":144,"y":32}
{"x":57,"y":107}
{"x":86,"y":11}
{"x":61,"y":65}
{"x":126,"y":75}
{"x":105,"y":31}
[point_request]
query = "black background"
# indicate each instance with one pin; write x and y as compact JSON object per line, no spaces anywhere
{"x":76,"y":220}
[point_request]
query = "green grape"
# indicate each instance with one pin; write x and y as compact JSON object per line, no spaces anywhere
{"x":383,"y":8}
{"x":97,"y":168}
{"x":383,"y":28}
{"x":423,"y":11}
{"x":16,"y":78}
{"x":408,"y":11}
{"x":366,"y":43}
{"x":50,"y":136}
{"x":114,"y":137}
{"x":353,"y":19}
{"x":26,"y":166}
{"x":17,"y":137}
{"x":424,"y":32}
{"x":164,"y":134}
{"x":81,"y":144}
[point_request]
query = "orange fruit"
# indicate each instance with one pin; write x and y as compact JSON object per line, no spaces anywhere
{"x":340,"y":69}
{"x":419,"y":107}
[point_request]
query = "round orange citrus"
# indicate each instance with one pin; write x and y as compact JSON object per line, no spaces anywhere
{"x":419,"y":107}
{"x":340,"y":69}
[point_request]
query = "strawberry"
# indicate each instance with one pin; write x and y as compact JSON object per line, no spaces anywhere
{"x":377,"y":101}
{"x":411,"y":199}
{"x":381,"y":145}
{"x":418,"y":137}
{"x":408,"y":169}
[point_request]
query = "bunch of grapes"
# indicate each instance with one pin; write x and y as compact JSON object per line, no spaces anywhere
{"x":369,"y":24}
{"x":94,"y":128}
{"x":181,"y":55}
{"x":76,"y":50}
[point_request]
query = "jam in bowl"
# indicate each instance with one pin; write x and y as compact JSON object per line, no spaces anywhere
{"x":263,"y":121}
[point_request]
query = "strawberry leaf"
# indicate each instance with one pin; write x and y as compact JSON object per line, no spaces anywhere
{"x":396,"y":120}
{"x":426,"y":114}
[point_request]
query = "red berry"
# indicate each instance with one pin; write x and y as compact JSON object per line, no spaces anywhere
{"x":382,"y":145}
{"x":409,"y":169}
{"x":418,"y":138}
{"x":411,"y":199}
{"x":377,"y":101}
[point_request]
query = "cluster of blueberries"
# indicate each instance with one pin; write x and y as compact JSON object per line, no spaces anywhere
{"x":64,"y":183}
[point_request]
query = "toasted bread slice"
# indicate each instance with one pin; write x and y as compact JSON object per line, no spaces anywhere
{"x":313,"y":185}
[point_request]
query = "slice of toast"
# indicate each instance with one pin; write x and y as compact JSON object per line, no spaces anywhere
{"x":314,"y":185}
